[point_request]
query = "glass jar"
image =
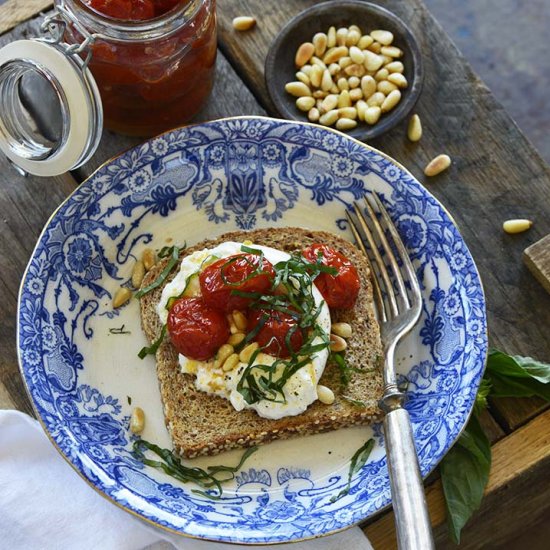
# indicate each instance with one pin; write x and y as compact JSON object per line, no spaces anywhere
{"x":138,"y":77}
{"x":152,"y":75}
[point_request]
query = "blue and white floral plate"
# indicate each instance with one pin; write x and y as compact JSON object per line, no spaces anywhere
{"x":79,"y":357}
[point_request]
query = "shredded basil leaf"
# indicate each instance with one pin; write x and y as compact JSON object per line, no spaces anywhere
{"x":358,"y":460}
{"x":171,"y":465}
{"x":152,"y":349}
{"x":162,"y":277}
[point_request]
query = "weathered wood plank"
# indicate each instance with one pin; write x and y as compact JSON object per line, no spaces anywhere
{"x":537,"y":259}
{"x":496,"y":173}
{"x":14,"y":12}
{"x":514,"y":474}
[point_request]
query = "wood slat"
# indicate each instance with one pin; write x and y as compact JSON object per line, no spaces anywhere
{"x":537,"y":259}
{"x":514,"y":474}
{"x":13,"y":12}
{"x":496,"y":173}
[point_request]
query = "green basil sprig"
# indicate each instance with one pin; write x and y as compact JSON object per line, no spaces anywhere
{"x":465,"y":468}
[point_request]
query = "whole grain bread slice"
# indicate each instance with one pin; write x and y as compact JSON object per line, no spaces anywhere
{"x":203,"y":424}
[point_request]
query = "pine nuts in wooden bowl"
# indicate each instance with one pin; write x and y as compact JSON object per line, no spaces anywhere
{"x":350,"y":65}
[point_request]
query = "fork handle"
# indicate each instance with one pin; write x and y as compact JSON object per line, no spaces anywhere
{"x":414,"y":531}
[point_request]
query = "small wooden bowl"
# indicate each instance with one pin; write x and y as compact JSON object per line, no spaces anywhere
{"x":280,"y":68}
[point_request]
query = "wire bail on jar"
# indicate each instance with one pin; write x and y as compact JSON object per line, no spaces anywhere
{"x":55,"y":25}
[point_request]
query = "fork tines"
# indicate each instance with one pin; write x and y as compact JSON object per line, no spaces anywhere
{"x":392,"y":269}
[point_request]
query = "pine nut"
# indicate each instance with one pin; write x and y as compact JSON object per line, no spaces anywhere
{"x":386,"y":87}
{"x":414,"y":131}
{"x":395,"y":67}
{"x":297,"y":89}
{"x":345,"y":62}
{"x":356,"y":94}
{"x":355,"y":28}
{"x":302,"y":77}
{"x":343,"y":84}
{"x":341,"y":35}
{"x":334,"y":69}
{"x":372,"y":61}
{"x":330,"y":102}
{"x":328,"y":119}
{"x":398,"y":79}
{"x":331,"y":37}
{"x":375,"y":47}
{"x":325,"y":395}
{"x":232,"y":326}
{"x":341,"y":329}
{"x":353,"y":37}
{"x":344,"y":99}
{"x":345,"y":124}
{"x":236,"y":339}
{"x":137,"y":274}
{"x":357,"y":56}
{"x":334,"y":89}
{"x":516,"y":226}
{"x":347,"y":112}
{"x":391,"y":100}
{"x":122,"y":295}
{"x":437,"y":165}
{"x":361,"y":107}
{"x":326,"y":81}
{"x":382,"y":74}
{"x":368,"y":85}
{"x":376,"y":99}
{"x":316,"y":61}
{"x":320,"y":94}
{"x":304,"y":54}
{"x":243,"y":23}
{"x":384,"y":37}
{"x":364,"y":42}
{"x":313,"y":115}
{"x":320,"y":43}
{"x":334,"y":54}
{"x":355,"y":70}
{"x":247,"y":352}
{"x":354,"y":82}
{"x":148,"y":258}
{"x":137,"y":420}
{"x":337,"y":343}
{"x":223,"y":353}
{"x":316,"y":76}
{"x":240,"y":320}
{"x":305,"y":103}
{"x":230,"y":363}
{"x":391,"y":51}
{"x":307,"y":69}
{"x":372,"y":114}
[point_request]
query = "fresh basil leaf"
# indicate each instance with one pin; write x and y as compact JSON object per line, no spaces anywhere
{"x":152,"y":349}
{"x":508,"y":386}
{"x":517,"y":367}
{"x":464,"y":476}
{"x":174,"y":258}
{"x":480,"y":403}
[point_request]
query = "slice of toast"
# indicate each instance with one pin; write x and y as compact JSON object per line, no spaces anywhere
{"x":203,"y":424}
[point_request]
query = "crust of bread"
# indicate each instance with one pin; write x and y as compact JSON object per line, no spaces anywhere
{"x":203,"y":424}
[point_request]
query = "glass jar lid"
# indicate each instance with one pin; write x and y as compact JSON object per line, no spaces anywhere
{"x":51,"y":117}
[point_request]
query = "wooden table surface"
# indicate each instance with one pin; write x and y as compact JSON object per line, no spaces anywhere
{"x":496,"y":175}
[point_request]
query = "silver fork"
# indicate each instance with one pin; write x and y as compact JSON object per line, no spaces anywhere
{"x":398,"y":310}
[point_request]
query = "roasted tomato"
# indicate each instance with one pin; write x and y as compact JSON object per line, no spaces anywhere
{"x":221,"y":281}
{"x":341,"y":290}
{"x":276,"y":326}
{"x":197,"y":330}
{"x":135,"y":10}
